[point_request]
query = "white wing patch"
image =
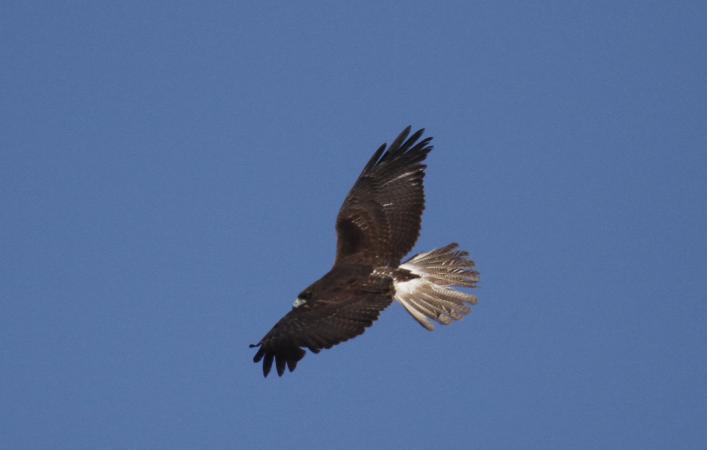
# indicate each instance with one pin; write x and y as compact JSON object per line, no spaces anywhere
{"x":401,"y":176}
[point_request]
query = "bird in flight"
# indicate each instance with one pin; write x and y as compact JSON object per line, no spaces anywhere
{"x":377,"y":226}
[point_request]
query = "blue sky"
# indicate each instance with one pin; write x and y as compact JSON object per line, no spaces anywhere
{"x":170,"y":174}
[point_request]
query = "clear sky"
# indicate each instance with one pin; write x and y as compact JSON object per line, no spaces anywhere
{"x":170,"y":174}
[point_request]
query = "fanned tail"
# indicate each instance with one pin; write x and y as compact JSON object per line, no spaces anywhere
{"x":425,"y":285}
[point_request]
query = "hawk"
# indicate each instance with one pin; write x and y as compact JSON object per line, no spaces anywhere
{"x":376,"y":227}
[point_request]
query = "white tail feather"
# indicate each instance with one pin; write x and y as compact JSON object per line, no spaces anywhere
{"x":432,"y":294}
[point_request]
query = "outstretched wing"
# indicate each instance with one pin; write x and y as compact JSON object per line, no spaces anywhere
{"x":379,"y":220}
{"x":317,"y":325}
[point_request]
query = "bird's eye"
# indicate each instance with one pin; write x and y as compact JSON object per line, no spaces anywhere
{"x":305,"y":295}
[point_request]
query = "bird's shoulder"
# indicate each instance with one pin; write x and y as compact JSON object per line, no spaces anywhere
{"x":346,"y":283}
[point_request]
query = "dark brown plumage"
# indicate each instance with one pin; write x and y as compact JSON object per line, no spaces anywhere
{"x":377,"y":225}
{"x":379,"y":220}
